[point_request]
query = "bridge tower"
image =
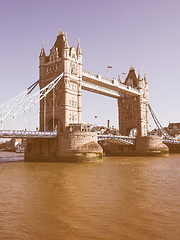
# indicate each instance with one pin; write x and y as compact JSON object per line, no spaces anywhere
{"x":133,"y":111}
{"x":62,"y":106}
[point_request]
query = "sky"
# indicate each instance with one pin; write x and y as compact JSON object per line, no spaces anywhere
{"x":142,"y":33}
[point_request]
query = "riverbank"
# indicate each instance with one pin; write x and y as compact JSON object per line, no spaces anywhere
{"x":11,"y":157}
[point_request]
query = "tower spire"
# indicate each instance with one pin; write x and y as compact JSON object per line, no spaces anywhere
{"x":66,"y":45}
{"x":139,"y":75}
{"x":42,"y":54}
{"x":60,"y":32}
{"x":132,"y":68}
{"x":78,"y":47}
{"x":145,"y":79}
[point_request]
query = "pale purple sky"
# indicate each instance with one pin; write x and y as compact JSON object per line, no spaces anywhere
{"x":142,"y":33}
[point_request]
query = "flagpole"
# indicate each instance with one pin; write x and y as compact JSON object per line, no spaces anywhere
{"x":107,"y":69}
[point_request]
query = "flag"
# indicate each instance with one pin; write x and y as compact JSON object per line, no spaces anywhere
{"x":109,"y":66}
{"x":124,"y":73}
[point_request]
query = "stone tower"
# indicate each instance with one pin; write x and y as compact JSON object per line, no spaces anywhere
{"x":133,"y":111}
{"x":63,"y":105}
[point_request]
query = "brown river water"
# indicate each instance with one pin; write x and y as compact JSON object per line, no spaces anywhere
{"x":123,"y":198}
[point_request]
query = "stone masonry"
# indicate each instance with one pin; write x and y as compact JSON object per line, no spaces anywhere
{"x":133,"y":111}
{"x":65,"y":106}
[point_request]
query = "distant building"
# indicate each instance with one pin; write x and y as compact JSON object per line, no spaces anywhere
{"x":173,"y":129}
{"x":104,"y":130}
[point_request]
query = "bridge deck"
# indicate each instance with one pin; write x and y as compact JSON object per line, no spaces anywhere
{"x":112,"y":88}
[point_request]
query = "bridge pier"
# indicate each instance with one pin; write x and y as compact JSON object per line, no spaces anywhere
{"x":144,"y":146}
{"x":78,"y":147}
{"x":66,"y":147}
{"x":151,"y":145}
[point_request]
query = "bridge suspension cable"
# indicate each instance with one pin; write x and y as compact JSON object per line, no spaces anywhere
{"x":18,"y":98}
{"x":158,"y":124}
{"x":25,"y":101}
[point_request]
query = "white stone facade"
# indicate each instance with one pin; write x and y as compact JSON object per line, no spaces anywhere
{"x":64,"y":103}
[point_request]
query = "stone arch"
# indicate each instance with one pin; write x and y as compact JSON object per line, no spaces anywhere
{"x":57,"y":125}
{"x":132,"y":132}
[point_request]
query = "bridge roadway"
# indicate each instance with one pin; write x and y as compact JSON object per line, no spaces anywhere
{"x":124,"y":140}
{"x":112,"y":88}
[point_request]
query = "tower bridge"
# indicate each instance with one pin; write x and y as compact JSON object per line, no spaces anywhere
{"x":61,"y":79}
{"x":132,"y":95}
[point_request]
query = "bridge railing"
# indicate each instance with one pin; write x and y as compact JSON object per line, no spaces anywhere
{"x":24,"y":134}
{"x":122,"y":139}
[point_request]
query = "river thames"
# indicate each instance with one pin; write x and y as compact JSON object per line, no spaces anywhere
{"x":123,"y":198}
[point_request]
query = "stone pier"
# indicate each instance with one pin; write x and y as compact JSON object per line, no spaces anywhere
{"x":151,"y":145}
{"x":145,"y":146}
{"x":66,"y":147}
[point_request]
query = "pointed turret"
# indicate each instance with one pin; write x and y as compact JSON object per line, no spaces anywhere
{"x":60,"y":32}
{"x":42,"y":54}
{"x":79,"y":52}
{"x":139,"y":75}
{"x":66,"y":45}
{"x":42,"y":60}
{"x":132,"y":68}
{"x":79,"y":48}
{"x":139,"y":82}
{"x":145,"y":79}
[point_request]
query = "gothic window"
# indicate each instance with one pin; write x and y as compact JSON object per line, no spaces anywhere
{"x":73,"y":117}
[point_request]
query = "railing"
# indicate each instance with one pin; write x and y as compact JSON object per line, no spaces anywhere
{"x":122,"y":139}
{"x":26,"y":134}
{"x":173,"y":141}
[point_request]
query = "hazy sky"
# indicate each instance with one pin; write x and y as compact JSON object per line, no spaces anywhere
{"x":142,"y":33}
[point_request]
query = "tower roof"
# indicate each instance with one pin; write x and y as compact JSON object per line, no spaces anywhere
{"x":59,"y":43}
{"x":132,"y":75}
